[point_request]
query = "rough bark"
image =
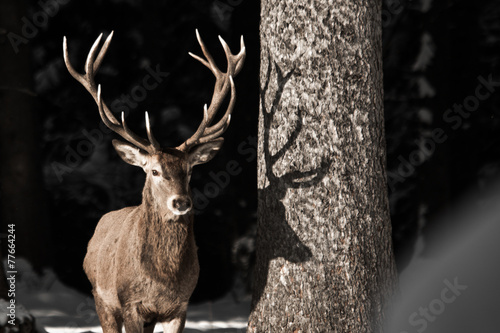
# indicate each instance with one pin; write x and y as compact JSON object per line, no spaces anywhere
{"x":324,"y":249}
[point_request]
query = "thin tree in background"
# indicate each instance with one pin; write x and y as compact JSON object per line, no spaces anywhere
{"x":324,"y":252}
{"x":21,"y":183}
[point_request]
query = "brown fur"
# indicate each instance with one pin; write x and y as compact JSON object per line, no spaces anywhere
{"x":142,"y":261}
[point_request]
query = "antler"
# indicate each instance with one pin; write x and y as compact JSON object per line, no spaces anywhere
{"x":88,"y":81}
{"x":223,"y":84}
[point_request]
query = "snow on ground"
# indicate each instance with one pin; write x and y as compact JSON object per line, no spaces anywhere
{"x":60,"y":309}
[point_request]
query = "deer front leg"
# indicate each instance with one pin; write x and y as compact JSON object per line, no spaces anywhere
{"x":175,"y":325}
{"x":110,"y":321}
{"x":132,"y":321}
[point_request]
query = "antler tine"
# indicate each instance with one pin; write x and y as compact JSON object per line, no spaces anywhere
{"x":92,"y":64}
{"x":123,"y":129}
{"x":151,"y":138}
{"x":102,"y":53}
{"x":209,"y":62}
{"x":217,"y":133}
{"x":87,"y":79}
{"x":229,"y":56}
{"x":194,"y":139}
{"x":223,"y":84}
{"x":105,"y":119}
{"x":89,"y":63}
{"x":77,"y":76}
{"x":241,"y":56}
{"x":227,"y":115}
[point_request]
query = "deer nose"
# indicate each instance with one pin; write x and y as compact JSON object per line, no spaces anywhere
{"x":180,"y":205}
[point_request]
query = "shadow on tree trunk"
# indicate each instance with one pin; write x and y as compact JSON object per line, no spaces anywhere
{"x":275,"y":237}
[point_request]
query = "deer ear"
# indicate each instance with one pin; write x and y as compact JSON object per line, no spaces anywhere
{"x":130,"y":153}
{"x":204,"y":152}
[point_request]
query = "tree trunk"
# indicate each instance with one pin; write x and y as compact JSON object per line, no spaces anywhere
{"x":324,"y":249}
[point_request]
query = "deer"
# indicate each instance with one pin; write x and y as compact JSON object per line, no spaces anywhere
{"x":142,"y":261}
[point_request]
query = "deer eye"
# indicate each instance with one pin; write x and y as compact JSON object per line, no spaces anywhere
{"x":155,"y":173}
{"x":168,"y":178}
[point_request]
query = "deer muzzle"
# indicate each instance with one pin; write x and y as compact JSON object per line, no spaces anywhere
{"x":180,"y":204}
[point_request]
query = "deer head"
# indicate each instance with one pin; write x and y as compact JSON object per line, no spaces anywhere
{"x":168,"y":170}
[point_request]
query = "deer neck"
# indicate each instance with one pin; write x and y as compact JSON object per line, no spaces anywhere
{"x":168,"y":239}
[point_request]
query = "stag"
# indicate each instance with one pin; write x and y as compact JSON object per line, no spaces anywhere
{"x":142,"y":261}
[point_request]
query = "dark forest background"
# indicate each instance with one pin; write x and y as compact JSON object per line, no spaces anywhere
{"x":60,"y":174}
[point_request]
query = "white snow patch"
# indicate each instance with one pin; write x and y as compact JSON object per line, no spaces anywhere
{"x":3,"y":312}
{"x":59,"y":308}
